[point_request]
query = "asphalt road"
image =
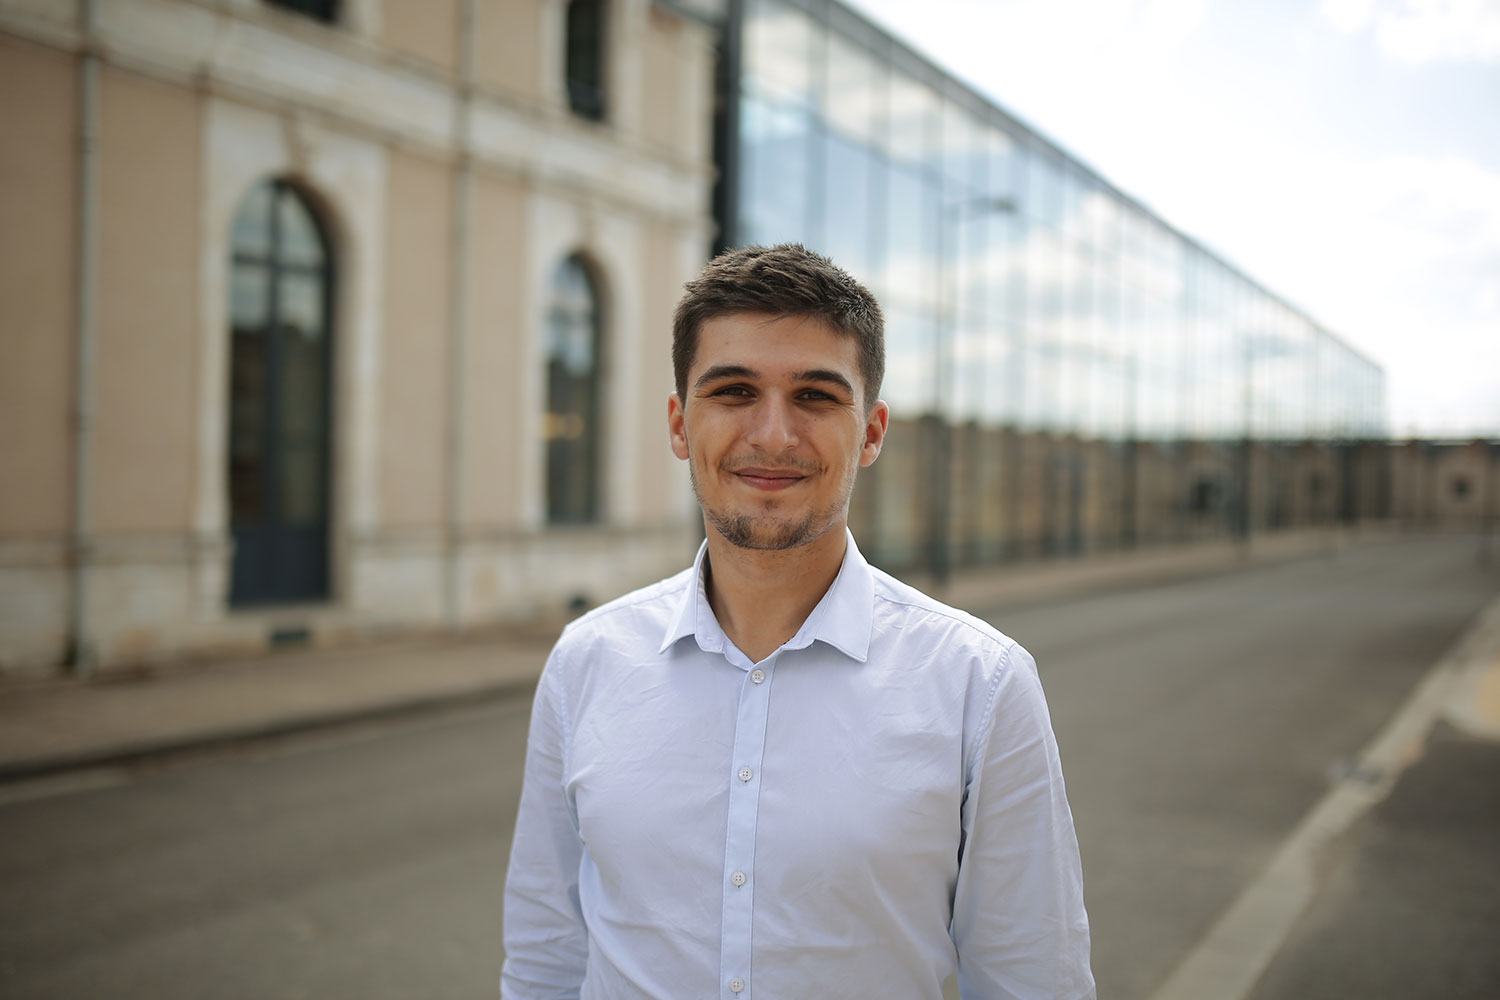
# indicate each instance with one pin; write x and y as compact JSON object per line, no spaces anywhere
{"x":1197,"y":721}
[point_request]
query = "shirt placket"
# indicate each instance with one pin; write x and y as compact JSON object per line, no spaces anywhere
{"x":739,"y":848}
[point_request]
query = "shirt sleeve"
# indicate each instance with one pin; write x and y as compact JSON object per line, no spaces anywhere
{"x":1018,"y":917}
{"x":546,"y":943}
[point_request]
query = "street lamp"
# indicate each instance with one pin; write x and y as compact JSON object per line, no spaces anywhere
{"x":938,"y":430}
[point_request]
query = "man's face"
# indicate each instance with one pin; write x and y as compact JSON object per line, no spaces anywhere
{"x":774,"y":428}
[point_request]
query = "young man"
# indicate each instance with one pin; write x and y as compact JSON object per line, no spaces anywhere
{"x":782,"y":773}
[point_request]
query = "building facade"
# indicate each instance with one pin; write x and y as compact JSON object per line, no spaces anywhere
{"x":313,"y":313}
{"x":1067,"y":371}
{"x":324,"y":320}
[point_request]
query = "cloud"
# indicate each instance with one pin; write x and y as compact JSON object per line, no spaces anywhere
{"x":1348,"y":16}
{"x":1026,"y":46}
{"x":1400,"y":254}
{"x":1423,"y":31}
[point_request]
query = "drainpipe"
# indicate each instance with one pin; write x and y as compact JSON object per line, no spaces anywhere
{"x":458,"y":320}
{"x":79,"y":654}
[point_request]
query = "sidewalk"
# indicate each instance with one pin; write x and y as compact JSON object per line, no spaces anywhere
{"x":53,"y":726}
{"x":1390,"y":887}
{"x":1408,"y":898}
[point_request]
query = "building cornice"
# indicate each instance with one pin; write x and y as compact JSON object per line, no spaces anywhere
{"x":343,"y":81}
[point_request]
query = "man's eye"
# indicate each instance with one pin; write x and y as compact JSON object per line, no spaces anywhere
{"x":732,"y":390}
{"x":817,"y":396}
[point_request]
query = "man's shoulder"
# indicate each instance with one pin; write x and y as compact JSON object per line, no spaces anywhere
{"x":644,"y":612}
{"x":898,"y":603}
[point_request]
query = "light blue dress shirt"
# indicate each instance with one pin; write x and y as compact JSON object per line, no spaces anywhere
{"x":877,"y":802}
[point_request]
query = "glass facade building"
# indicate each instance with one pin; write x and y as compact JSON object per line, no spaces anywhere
{"x":1080,"y":373}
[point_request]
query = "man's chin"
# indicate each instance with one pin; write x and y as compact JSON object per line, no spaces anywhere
{"x":762,"y":534}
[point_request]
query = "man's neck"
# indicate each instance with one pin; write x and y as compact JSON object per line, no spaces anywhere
{"x":761,"y":598}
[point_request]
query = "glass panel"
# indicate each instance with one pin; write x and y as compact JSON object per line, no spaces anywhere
{"x":912,"y":220}
{"x":995,"y":300}
{"x":971,"y":259}
{"x":968,"y":356}
{"x":1107,"y":226}
{"x":1044,"y":300}
{"x":1200,"y":363}
{"x":299,"y":306}
{"x":302,"y":495}
{"x":572,"y":395}
{"x":585,"y":57}
{"x":778,"y":50}
{"x":1236,"y":351}
{"x":1004,"y":167}
{"x":1044,"y":189}
{"x":776,"y":172}
{"x":250,"y":307}
{"x":570,"y":322}
{"x":299,"y":240}
{"x":849,"y":206}
{"x":251,"y":233}
{"x":1002,"y":362}
{"x":965,"y":275}
{"x":247,"y":424}
{"x":1074,"y":224}
{"x":855,"y":101}
{"x":304,"y":377}
{"x":1015,"y":375}
{"x":1291,"y":371}
{"x":909,"y":372}
{"x":1257,"y":346}
{"x":322,"y":10}
{"x":1075,"y":336}
{"x":963,"y":157}
{"x":1110,"y":373}
{"x":249,"y":296}
{"x":913,"y":116}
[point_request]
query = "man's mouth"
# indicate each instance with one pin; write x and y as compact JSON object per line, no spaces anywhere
{"x":763,"y":478}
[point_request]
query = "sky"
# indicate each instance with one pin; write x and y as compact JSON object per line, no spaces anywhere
{"x":1344,"y":153}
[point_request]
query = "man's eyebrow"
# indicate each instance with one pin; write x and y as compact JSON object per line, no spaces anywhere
{"x":825,"y":375}
{"x":717,"y":372}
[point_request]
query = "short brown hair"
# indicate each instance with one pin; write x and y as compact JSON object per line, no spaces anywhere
{"x":785,"y":280}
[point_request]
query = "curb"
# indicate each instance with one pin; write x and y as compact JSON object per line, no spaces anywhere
{"x":146,"y":751}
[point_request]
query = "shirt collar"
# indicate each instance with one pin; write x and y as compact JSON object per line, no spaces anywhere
{"x":843,"y":618}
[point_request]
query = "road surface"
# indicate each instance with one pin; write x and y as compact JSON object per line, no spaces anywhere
{"x":1197,"y":721}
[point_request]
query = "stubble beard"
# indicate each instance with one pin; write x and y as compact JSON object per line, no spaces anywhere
{"x":767,"y":533}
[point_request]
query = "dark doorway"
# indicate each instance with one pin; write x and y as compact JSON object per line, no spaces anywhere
{"x":281,"y":293}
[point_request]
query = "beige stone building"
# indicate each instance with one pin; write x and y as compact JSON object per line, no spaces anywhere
{"x":311,"y":313}
{"x":1452,"y":484}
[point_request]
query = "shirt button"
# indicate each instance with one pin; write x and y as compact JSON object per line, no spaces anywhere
{"x":736,"y":984}
{"x":757,"y":675}
{"x":746,"y":774}
{"x":738,"y":878}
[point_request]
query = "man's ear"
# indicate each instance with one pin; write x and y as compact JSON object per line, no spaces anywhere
{"x":675,"y":429}
{"x":875,"y":427}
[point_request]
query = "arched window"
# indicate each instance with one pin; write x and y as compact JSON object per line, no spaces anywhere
{"x":322,"y":10}
{"x":281,"y":281}
{"x":585,"y":58}
{"x":573,"y":403}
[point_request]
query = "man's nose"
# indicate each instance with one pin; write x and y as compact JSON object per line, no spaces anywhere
{"x":773,"y":426}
